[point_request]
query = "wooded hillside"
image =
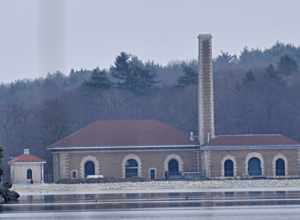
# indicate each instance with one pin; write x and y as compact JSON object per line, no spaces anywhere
{"x":256,"y":92}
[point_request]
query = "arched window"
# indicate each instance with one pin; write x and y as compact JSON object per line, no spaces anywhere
{"x":280,"y":167}
{"x":29,"y":174}
{"x":89,"y":165}
{"x":254,"y":167}
{"x":173,"y":167}
{"x":89,"y":168}
{"x":131,"y":168}
{"x":228,"y":168}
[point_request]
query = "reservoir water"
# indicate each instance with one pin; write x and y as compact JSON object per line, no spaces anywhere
{"x":201,"y":205}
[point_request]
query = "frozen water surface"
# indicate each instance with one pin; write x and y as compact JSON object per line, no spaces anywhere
{"x":273,"y":205}
{"x":245,"y":213}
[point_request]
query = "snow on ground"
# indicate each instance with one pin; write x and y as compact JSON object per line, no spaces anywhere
{"x":159,"y":186}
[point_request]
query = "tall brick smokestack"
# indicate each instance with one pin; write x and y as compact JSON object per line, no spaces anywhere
{"x":206,"y":90}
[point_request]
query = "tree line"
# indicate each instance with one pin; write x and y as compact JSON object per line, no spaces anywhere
{"x":259,"y":89}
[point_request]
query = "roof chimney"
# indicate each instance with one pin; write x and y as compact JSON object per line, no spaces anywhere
{"x":206,"y":91}
{"x":26,"y":151}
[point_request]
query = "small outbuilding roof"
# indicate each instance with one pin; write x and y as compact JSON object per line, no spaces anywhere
{"x":124,"y":133}
{"x":252,"y":139}
{"x":26,"y":158}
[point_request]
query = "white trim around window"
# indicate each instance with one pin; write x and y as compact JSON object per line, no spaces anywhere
{"x":89,"y":158}
{"x":176,"y":157}
{"x":255,"y":155}
{"x":134,"y":157}
{"x":232,"y":158}
{"x":280,"y":156}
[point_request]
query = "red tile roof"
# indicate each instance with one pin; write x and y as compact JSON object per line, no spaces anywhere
{"x":252,"y":139}
{"x":125,"y":133}
{"x":27,"y":158}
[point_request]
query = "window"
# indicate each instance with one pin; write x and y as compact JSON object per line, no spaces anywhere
{"x":29,"y":174}
{"x":173,"y":167}
{"x":89,"y":168}
{"x":152,"y":173}
{"x":228,"y":168}
{"x":74,"y":174}
{"x":280,"y":167}
{"x":131,"y":168}
{"x":254,"y":167}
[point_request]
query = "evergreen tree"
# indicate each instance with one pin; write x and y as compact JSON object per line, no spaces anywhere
{"x":249,"y":77}
{"x":287,"y":65}
{"x":120,"y":70}
{"x":99,"y":79}
{"x":133,"y":75}
{"x":225,"y":59}
{"x":190,"y":76}
{"x":271,"y":73}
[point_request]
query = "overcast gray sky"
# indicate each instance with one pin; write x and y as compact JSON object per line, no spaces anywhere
{"x":40,"y":36}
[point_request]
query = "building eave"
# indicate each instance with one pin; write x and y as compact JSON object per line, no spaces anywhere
{"x":140,"y":147}
{"x":249,"y":147}
{"x":27,"y":162}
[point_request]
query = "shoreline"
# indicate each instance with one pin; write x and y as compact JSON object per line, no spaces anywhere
{"x":158,"y":187}
{"x":287,"y":189}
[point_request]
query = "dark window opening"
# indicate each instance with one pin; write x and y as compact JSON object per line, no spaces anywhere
{"x":228,"y":168}
{"x":254,"y":167}
{"x":280,"y":167}
{"x":89,"y":168}
{"x":131,"y":168}
{"x":152,"y":174}
{"x":29,"y":174}
{"x":74,"y":175}
{"x":173,"y":167}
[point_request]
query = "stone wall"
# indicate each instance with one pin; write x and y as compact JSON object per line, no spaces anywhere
{"x":112,"y":163}
{"x":216,"y":159}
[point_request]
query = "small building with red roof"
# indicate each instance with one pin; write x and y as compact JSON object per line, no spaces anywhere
{"x":27,"y":168}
